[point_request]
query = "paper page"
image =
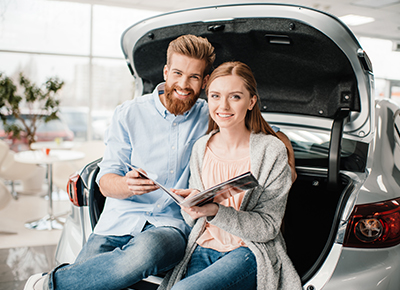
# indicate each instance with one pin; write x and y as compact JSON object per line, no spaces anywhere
{"x":223,"y":190}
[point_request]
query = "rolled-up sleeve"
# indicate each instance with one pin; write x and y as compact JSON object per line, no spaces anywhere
{"x":118,"y":146}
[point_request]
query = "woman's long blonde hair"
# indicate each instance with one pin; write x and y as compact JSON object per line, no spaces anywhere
{"x":254,"y":121}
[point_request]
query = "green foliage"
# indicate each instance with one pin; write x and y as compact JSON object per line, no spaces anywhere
{"x":40,"y":102}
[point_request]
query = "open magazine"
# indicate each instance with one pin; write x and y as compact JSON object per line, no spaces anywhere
{"x":225,"y":189}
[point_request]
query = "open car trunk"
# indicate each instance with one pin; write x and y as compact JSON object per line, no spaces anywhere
{"x":311,"y":221}
{"x":301,"y":70}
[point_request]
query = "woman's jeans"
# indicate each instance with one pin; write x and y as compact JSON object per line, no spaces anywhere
{"x":210,"y":269}
{"x":116,"y":262}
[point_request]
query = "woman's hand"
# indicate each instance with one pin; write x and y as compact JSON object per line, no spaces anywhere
{"x":207,"y":210}
{"x":195,"y":212}
{"x":226,"y":193}
{"x":185,"y":192}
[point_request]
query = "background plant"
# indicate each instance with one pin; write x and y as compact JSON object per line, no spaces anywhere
{"x":39,"y":101}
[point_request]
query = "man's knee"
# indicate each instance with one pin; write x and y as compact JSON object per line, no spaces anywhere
{"x":161,"y":247}
{"x":166,"y":238}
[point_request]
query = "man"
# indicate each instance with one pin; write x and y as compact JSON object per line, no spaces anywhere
{"x":140,"y":231}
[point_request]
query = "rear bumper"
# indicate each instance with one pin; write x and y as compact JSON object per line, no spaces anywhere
{"x":363,"y":269}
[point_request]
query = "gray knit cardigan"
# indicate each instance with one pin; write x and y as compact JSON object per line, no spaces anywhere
{"x":258,"y":221}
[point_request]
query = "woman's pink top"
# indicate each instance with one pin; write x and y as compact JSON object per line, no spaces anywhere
{"x":216,"y":170}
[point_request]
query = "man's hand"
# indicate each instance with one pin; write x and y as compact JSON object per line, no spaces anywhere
{"x":137,"y":184}
{"x":121,"y":187}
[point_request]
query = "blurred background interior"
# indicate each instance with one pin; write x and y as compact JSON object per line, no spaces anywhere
{"x":79,"y":42}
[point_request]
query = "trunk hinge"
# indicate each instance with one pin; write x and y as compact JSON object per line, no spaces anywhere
{"x":335,"y":148}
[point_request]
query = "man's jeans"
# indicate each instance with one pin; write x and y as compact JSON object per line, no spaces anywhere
{"x":209,"y":269}
{"x":113,"y":262}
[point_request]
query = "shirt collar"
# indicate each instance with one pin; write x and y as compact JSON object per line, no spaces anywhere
{"x":160,"y":107}
{"x":156,"y":95}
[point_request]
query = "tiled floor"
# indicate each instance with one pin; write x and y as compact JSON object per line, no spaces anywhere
{"x":18,"y":264}
{"x":27,"y":251}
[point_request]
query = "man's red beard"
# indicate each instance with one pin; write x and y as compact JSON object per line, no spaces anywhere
{"x":176,"y":106}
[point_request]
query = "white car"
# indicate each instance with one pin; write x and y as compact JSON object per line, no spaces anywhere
{"x":342,"y":223}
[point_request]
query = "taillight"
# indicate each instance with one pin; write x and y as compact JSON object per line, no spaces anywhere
{"x":72,"y":189}
{"x":374,"y":225}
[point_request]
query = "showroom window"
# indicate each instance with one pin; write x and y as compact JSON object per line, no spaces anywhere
{"x":385,"y":62}
{"x":76,"y":42}
{"x":80,"y":43}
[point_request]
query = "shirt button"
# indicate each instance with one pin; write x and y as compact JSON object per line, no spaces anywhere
{"x":174,"y":124}
{"x":171,"y":171}
{"x":158,"y":205}
{"x":173,"y":147}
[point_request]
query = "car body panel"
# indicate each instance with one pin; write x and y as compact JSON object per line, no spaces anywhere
{"x":384,"y":170}
{"x":75,"y":233}
{"x":360,"y":269}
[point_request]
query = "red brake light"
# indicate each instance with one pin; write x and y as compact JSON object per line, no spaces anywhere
{"x":375,"y":225}
{"x":72,"y":189}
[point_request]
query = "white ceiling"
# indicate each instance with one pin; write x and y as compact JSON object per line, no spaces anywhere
{"x":386,"y":24}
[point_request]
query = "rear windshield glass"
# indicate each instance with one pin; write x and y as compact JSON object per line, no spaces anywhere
{"x":312,"y":150}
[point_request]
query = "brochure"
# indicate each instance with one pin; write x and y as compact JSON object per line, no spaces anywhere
{"x":225,"y":189}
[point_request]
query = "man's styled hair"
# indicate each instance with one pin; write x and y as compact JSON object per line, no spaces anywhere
{"x":254,"y":121}
{"x":192,"y":46}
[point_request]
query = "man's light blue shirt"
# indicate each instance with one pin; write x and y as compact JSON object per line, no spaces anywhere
{"x":144,"y":133}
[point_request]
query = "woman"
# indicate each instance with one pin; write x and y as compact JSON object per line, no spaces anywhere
{"x":236,"y":243}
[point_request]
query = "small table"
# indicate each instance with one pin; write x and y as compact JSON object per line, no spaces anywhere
{"x":49,"y":221}
{"x":53,"y":145}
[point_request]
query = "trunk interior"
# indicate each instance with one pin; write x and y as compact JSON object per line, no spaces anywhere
{"x":292,"y":76}
{"x":311,"y":221}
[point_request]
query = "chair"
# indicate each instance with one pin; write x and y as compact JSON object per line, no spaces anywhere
{"x":62,"y":170}
{"x":12,"y":170}
{"x":3,"y":150}
{"x":5,"y":198}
